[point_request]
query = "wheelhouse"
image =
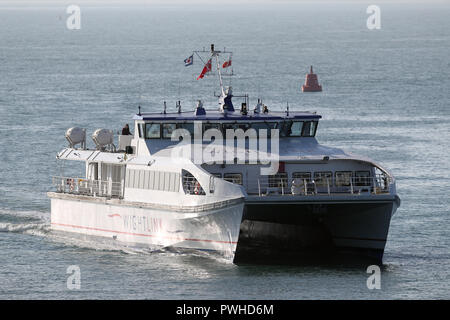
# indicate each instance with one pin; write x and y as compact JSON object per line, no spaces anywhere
{"x":157,"y":126}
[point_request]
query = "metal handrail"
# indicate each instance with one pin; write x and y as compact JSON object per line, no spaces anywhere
{"x":88,"y":187}
{"x":298,"y":186}
{"x":192,"y":186}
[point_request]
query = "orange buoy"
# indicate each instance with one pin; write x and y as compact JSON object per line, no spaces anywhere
{"x":311,"y":83}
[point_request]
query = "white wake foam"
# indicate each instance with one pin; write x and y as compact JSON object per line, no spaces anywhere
{"x":27,"y":222}
{"x":27,"y":228}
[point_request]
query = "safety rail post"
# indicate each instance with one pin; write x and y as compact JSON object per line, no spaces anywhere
{"x":259,"y":188}
{"x":110,"y":187}
{"x":211,"y":184}
{"x":374,"y":185}
{"x":351,"y":185}
{"x":328,"y":186}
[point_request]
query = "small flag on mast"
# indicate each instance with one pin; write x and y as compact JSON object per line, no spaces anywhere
{"x":206,"y":69}
{"x":227,"y":63}
{"x":189,"y":61}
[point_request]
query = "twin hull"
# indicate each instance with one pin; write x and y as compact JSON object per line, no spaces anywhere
{"x":296,"y":230}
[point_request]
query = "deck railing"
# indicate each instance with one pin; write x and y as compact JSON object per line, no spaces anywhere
{"x":298,"y":186}
{"x":192,"y":186}
{"x":82,"y":186}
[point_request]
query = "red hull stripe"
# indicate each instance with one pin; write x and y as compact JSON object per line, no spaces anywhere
{"x":139,"y":234}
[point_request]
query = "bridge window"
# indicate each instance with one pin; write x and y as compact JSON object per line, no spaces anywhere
{"x":168,"y":129}
{"x":323,"y":179}
{"x":152,"y":130}
{"x":264,"y":125}
{"x":295,"y":129}
{"x":207,"y":126}
{"x":189,"y":126}
{"x":227,"y":126}
{"x":343,"y":178}
{"x":233,"y":177}
{"x":298,"y":129}
{"x":309,"y":129}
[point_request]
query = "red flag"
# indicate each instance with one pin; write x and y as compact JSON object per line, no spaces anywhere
{"x":226,"y":64}
{"x":206,"y":69}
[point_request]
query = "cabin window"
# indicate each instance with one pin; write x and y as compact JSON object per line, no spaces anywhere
{"x":302,"y":175}
{"x":362,"y":178}
{"x":278,"y":180}
{"x":296,"y":129}
{"x":309,"y":129}
{"x":152,"y":130}
{"x":168,"y":129}
{"x":343,"y":178}
{"x":323,"y":179}
{"x":233,"y":178}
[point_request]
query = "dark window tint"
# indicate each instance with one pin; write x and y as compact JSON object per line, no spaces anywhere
{"x":309,"y":128}
{"x":152,"y":130}
{"x":168,"y":129}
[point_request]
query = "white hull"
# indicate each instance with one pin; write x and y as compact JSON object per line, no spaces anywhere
{"x":155,"y":227}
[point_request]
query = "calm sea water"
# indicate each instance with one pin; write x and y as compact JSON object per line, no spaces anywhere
{"x":386,"y":96}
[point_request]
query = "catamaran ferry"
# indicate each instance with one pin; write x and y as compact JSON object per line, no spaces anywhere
{"x":250,"y":184}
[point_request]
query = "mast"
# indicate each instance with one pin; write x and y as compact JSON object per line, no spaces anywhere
{"x":216,"y":55}
{"x":225,"y":104}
